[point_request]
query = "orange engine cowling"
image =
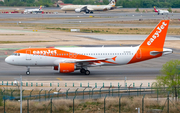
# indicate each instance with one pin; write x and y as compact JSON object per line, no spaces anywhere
{"x":66,"y":67}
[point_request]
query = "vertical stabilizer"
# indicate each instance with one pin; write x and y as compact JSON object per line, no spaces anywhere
{"x":112,"y":3}
{"x":153,"y":45}
{"x":155,"y":9}
{"x":40,"y":7}
{"x":157,"y":37}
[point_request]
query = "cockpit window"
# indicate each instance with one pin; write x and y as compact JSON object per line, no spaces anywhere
{"x":16,"y":54}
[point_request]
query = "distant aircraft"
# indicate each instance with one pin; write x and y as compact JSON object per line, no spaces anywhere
{"x":160,"y":11}
{"x":67,"y":60}
{"x":26,"y":11}
{"x":89,"y":8}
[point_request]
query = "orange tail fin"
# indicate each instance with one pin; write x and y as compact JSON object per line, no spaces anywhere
{"x":157,"y":37}
{"x":152,"y":47}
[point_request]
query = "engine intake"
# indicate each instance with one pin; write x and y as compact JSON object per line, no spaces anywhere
{"x":55,"y":67}
{"x":78,"y":10}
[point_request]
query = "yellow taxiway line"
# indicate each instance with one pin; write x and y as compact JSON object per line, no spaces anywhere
{"x":59,"y":79}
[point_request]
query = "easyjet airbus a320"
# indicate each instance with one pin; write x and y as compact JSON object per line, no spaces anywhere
{"x":67,"y":60}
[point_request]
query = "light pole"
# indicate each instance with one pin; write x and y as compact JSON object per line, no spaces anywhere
{"x":20,"y":80}
{"x":138,"y":110}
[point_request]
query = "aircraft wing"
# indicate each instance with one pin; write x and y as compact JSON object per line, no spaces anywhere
{"x":92,"y":62}
{"x":99,"y":61}
{"x":84,"y":8}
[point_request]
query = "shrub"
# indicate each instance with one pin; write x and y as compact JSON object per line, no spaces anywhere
{"x":137,"y":10}
{"x":170,"y":10}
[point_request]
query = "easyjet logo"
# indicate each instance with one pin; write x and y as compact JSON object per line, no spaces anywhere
{"x":156,"y":34}
{"x":45,"y":52}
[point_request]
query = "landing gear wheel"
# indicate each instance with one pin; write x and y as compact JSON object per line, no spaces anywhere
{"x":91,"y":12}
{"x":27,"y":73}
{"x":87,"y":11}
{"x":82,"y":70}
{"x":87,"y":72}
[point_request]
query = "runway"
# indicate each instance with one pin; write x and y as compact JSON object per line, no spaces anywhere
{"x":79,"y":18}
{"x":147,"y":70}
{"x":125,"y":37}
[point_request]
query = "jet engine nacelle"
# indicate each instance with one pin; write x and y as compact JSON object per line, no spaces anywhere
{"x":78,"y":10}
{"x":66,"y":67}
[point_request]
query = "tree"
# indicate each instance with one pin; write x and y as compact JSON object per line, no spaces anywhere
{"x":68,"y":1}
{"x":170,"y":76}
{"x":105,"y":2}
{"x":1,"y":98}
{"x":1,"y":3}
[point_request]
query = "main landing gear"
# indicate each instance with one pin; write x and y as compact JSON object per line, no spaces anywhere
{"x":86,"y":72}
{"x":28,"y":71}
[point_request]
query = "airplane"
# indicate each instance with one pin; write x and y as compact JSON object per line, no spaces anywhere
{"x":160,"y":11}
{"x":89,"y":8}
{"x":67,"y":60}
{"x":26,"y":11}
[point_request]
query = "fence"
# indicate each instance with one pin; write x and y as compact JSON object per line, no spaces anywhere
{"x":80,"y":93}
{"x":62,"y":84}
{"x":78,"y":99}
{"x":107,"y":104}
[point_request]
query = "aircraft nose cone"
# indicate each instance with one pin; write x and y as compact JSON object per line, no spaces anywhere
{"x":7,"y":60}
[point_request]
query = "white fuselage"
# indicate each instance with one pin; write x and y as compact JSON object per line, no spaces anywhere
{"x":92,"y":7}
{"x":163,"y":11}
{"x":123,"y":56}
{"x":32,"y":10}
